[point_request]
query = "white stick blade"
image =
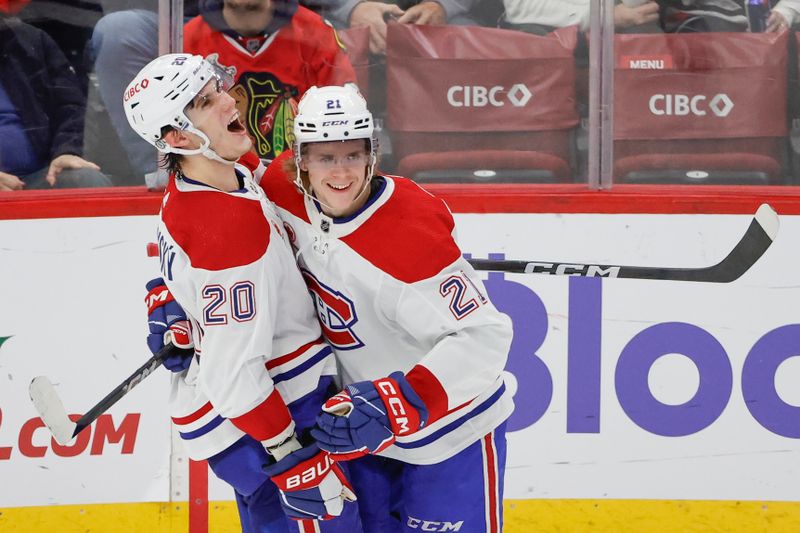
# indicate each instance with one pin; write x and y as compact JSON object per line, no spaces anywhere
{"x":48,"y":404}
{"x":768,"y":219}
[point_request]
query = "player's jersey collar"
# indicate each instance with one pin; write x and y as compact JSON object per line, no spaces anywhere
{"x":382,"y":188}
{"x":187,"y":184}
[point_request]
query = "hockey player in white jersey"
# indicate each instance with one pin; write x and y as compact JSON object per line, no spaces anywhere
{"x":261,"y":368}
{"x":420,"y":347}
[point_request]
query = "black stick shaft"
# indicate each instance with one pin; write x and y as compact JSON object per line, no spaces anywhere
{"x":746,"y":252}
{"x":130,"y":382}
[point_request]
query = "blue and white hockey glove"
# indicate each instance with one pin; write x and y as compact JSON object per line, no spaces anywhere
{"x":368,"y":416}
{"x":167,"y":323}
{"x":311,"y":484}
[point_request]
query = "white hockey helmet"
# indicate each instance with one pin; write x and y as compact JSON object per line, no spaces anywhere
{"x":158,"y":96}
{"x":333,"y":113}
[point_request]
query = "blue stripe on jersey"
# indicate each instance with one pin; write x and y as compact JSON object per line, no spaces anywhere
{"x":289,"y":374}
{"x":455,"y":423}
{"x":189,"y":435}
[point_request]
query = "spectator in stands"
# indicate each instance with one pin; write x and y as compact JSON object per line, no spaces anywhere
{"x":11,"y":7}
{"x":42,"y":112}
{"x":543,"y":16}
{"x":375,"y":15}
{"x":722,"y":15}
{"x":125,"y":41}
{"x":785,"y":14}
{"x":275,"y":50}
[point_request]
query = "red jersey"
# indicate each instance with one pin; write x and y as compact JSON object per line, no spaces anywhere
{"x":272,"y":74}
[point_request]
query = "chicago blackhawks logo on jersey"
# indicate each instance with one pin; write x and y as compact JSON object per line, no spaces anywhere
{"x":336,"y":312}
{"x":269,"y":107}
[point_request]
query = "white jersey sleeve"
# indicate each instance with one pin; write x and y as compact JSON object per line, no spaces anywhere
{"x":469,"y":338}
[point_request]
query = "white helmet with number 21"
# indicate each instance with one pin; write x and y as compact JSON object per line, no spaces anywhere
{"x":333,"y":113}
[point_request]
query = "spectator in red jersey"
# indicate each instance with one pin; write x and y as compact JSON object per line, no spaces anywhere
{"x":125,"y":41}
{"x":275,"y":50}
{"x":12,"y":7}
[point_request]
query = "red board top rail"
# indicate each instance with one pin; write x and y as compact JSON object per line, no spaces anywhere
{"x":472,"y":198}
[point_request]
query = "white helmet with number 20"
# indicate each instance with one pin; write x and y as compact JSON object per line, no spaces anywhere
{"x":158,"y":96}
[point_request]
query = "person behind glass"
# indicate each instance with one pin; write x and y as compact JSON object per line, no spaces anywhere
{"x":42,"y":111}
{"x":260,"y":368}
{"x":543,"y":16}
{"x":275,"y":50}
{"x":241,"y":35}
{"x":783,"y":15}
{"x":123,"y":42}
{"x":681,"y":16}
{"x":375,"y":14}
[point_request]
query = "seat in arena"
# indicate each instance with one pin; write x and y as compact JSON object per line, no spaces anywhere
{"x":701,"y":108}
{"x":474,"y":104}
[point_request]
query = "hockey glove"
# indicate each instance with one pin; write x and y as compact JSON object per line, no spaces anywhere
{"x":311,"y":484}
{"x":167,"y":323}
{"x":368,"y":416}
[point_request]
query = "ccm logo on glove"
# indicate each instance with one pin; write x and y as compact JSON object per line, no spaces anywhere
{"x":158,"y":296}
{"x":392,"y":398}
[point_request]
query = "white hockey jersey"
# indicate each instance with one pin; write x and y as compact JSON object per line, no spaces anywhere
{"x":227,"y":262}
{"x":393,"y":292}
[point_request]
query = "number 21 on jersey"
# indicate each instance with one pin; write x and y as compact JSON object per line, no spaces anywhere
{"x":456,"y":288}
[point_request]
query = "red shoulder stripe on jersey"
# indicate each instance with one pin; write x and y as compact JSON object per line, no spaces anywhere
{"x":216,"y":230}
{"x":280,"y":187}
{"x":267,"y":420}
{"x":409,"y":237}
{"x":430,"y":390}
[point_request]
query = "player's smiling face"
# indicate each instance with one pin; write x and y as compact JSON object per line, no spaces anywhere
{"x":337,"y":173}
{"x":213,"y":111}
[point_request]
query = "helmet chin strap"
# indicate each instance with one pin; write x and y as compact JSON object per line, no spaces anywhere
{"x":204,"y":149}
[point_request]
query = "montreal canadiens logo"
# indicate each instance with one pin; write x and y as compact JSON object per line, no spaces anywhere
{"x":336,"y":312}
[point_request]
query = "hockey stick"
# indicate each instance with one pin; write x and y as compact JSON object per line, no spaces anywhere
{"x":755,"y":241}
{"x":55,"y":417}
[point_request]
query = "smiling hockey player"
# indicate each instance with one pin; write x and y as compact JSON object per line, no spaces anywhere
{"x":260,"y":369}
{"x":420,"y":347}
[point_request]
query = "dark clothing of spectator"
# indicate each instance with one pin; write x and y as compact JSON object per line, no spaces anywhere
{"x":43,"y":88}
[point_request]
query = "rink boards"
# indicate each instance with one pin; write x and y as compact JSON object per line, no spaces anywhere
{"x":641,"y":405}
